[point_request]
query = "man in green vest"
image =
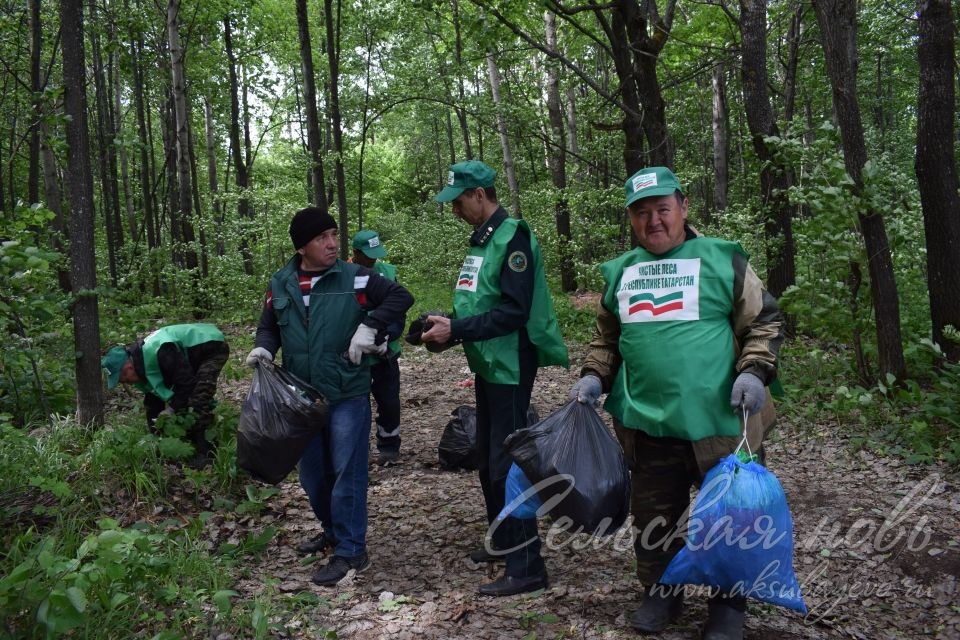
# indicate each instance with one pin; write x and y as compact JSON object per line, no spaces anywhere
{"x":176,"y":365}
{"x":368,"y":250}
{"x":327,"y":316}
{"x":504,"y":315}
{"x":685,"y":331}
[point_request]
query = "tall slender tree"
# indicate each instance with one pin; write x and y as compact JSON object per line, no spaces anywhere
{"x":838,"y":29}
{"x":775,"y":178}
{"x":937,"y":169}
{"x":333,"y":59}
{"x":181,"y":136}
{"x":83,"y":268}
{"x":314,"y":141}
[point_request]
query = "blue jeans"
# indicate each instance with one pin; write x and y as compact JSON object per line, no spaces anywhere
{"x":333,"y":472}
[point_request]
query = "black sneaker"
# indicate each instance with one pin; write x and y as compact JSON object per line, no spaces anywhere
{"x":387,"y":458}
{"x":316,"y":544}
{"x":338,"y":568}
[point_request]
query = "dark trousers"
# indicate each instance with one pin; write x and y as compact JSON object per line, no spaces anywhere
{"x":662,"y":471}
{"x":501,"y":410}
{"x":201,"y":398}
{"x":385,"y":387}
{"x":207,"y":360}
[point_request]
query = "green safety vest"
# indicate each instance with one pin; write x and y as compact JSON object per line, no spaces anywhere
{"x":676,"y":339}
{"x":478,"y":290}
{"x":389,"y":272}
{"x":315,"y":349}
{"x":182,"y":335}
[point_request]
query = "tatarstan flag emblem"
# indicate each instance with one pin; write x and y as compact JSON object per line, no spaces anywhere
{"x":655,"y":305}
{"x":465,"y":280}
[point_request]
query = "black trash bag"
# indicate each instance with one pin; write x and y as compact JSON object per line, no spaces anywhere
{"x":458,"y":444}
{"x":280,"y":416}
{"x":584,"y":464}
{"x":421,"y":325}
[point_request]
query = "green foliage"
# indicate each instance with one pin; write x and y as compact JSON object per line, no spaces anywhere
{"x":915,"y":419}
{"x":114,"y":576}
{"x":32,"y":312}
{"x":831,"y":299}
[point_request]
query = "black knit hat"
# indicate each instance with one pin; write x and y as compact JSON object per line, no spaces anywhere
{"x":308,"y":223}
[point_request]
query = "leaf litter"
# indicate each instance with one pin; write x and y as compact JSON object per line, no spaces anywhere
{"x":876,"y":542}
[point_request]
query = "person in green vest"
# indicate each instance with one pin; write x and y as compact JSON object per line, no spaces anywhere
{"x":504,"y":315}
{"x":327,"y":316}
{"x":368,"y":250}
{"x":177,"y":365}
{"x":685,"y":331}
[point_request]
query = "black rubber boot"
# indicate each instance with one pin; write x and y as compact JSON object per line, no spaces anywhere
{"x":661,"y":606}
{"x":725,"y":619}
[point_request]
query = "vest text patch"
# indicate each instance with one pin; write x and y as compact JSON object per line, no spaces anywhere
{"x":467,"y":280}
{"x":660,"y":291}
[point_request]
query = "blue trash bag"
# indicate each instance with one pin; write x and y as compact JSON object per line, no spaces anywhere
{"x":740,"y":537}
{"x":520,"y":499}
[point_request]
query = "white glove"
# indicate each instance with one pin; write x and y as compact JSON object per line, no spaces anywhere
{"x":748,"y":392}
{"x":363,"y":342}
{"x":258,"y":355}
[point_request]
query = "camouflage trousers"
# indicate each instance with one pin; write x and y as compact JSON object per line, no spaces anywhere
{"x":663,"y":471}
{"x":201,"y":398}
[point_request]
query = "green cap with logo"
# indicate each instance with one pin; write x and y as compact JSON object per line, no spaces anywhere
{"x":368,"y":242}
{"x":466,"y":175}
{"x":112,"y":363}
{"x":652,"y":181}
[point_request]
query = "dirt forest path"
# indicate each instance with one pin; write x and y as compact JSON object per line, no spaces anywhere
{"x":862,"y":578}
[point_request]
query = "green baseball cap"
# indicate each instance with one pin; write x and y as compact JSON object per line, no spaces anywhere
{"x":112,"y":363}
{"x":466,"y":175}
{"x":368,"y":241}
{"x":652,"y":181}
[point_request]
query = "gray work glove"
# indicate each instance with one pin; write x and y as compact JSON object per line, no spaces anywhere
{"x":587,"y":389}
{"x":258,"y":355}
{"x":748,"y":392}
{"x":364,"y":341}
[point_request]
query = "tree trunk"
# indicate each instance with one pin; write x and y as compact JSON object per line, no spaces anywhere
{"x":314,"y":141}
{"x":634,"y":157}
{"x":838,"y":28}
{"x":212,"y":180}
{"x":508,"y":167}
{"x":54,"y":200}
{"x":775,"y":178}
{"x":461,"y":111}
{"x":333,"y":57}
{"x":197,"y":205}
{"x":721,"y":145}
{"x":364,"y":124}
{"x":557,"y":159}
{"x":114,"y":80}
{"x":790,"y":73}
{"x":242,"y":179}
{"x":36,"y":40}
{"x":573,"y":145}
{"x":146,"y":167}
{"x":108,"y":178}
{"x":168,"y":127}
{"x":185,"y":199}
{"x":83,"y":268}
{"x":936,"y":168}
